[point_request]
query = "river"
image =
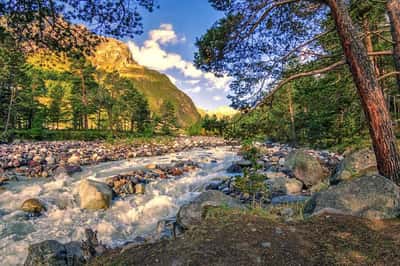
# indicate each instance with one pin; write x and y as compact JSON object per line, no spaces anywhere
{"x":128,"y":218}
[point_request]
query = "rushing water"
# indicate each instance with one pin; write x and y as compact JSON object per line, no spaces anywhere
{"x":127,"y":218}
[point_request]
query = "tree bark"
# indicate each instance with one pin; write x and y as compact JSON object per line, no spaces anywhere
{"x":370,"y":92}
{"x":369,"y":45}
{"x":393,"y":9}
{"x":10,"y":107}
{"x":84,"y":101}
{"x":291,"y":112}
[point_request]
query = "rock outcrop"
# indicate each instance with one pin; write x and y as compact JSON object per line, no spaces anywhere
{"x":372,"y":197}
{"x":356,"y":164}
{"x":191,"y":214}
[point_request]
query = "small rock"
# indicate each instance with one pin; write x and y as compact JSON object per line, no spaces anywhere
{"x":33,"y":206}
{"x":234,"y":169}
{"x":266,"y":244}
{"x":74,"y":160}
{"x":151,"y":166}
{"x":140,"y":188}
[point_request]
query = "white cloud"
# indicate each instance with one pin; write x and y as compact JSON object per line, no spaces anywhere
{"x":196,"y":89}
{"x":152,"y":55}
{"x":193,"y":81}
{"x":217,"y":98}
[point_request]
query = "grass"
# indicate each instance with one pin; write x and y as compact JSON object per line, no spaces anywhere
{"x":271,"y":213}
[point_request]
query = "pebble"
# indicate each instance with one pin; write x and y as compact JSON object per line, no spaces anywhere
{"x":266,"y":244}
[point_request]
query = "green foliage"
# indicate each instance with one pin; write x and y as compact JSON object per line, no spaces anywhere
{"x":168,"y":118}
{"x":252,"y":182}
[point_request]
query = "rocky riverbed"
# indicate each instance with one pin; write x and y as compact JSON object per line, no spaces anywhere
{"x":137,"y":194}
{"x":86,"y":207}
{"x":44,"y":159}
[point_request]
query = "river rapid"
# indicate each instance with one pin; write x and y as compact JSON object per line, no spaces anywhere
{"x":127,"y":218}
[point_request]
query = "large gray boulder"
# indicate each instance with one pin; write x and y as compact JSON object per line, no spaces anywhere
{"x":356,"y":164}
{"x":94,"y":195}
{"x":305,"y":167}
{"x":191,"y":214}
{"x":53,"y":253}
{"x":372,"y":197}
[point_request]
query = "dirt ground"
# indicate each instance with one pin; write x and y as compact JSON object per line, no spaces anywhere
{"x":243,"y":239}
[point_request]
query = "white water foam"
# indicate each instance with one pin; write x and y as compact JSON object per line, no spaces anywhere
{"x":133,"y":216}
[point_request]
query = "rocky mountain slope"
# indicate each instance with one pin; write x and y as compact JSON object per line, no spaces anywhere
{"x":113,"y":55}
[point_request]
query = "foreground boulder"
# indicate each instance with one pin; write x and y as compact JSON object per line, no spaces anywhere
{"x":372,"y":197}
{"x":33,"y":206}
{"x":192,"y":214}
{"x":356,"y":164}
{"x":94,"y":195}
{"x":305,"y":167}
{"x":52,"y":252}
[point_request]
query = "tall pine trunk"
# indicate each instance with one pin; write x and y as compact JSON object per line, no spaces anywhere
{"x":370,"y":92}
{"x":393,"y":9}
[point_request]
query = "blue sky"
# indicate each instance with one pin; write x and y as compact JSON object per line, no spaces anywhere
{"x":167,"y":45}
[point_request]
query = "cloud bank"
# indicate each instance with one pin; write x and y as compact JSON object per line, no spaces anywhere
{"x":153,"y":54}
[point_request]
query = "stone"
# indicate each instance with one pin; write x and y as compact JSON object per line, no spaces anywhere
{"x":74,"y":160}
{"x":50,"y":160}
{"x":356,"y":164}
{"x":273,"y":174}
{"x":191,"y":214}
{"x":284,"y":185}
{"x":266,"y":244}
{"x":94,"y":195}
{"x":176,"y":172}
{"x":244,"y":163}
{"x":33,"y":206}
{"x":305,"y":167}
{"x":140,"y":188}
{"x":372,"y":197}
{"x":151,"y":166}
{"x":286,"y":199}
{"x":234,"y":169}
{"x":168,"y":229}
{"x":72,"y":169}
{"x":52,"y":252}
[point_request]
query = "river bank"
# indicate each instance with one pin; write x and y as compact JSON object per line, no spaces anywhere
{"x":238,"y":238}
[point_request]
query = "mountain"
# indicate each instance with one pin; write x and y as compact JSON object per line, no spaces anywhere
{"x":219,"y":112}
{"x":112,"y":55}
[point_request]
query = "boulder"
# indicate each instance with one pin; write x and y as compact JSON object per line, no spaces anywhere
{"x":372,"y":197}
{"x":52,"y":252}
{"x":305,"y":167}
{"x":284,"y":185}
{"x":33,"y":206}
{"x":356,"y":164}
{"x":94,"y":195}
{"x":234,"y":169}
{"x":191,"y":214}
